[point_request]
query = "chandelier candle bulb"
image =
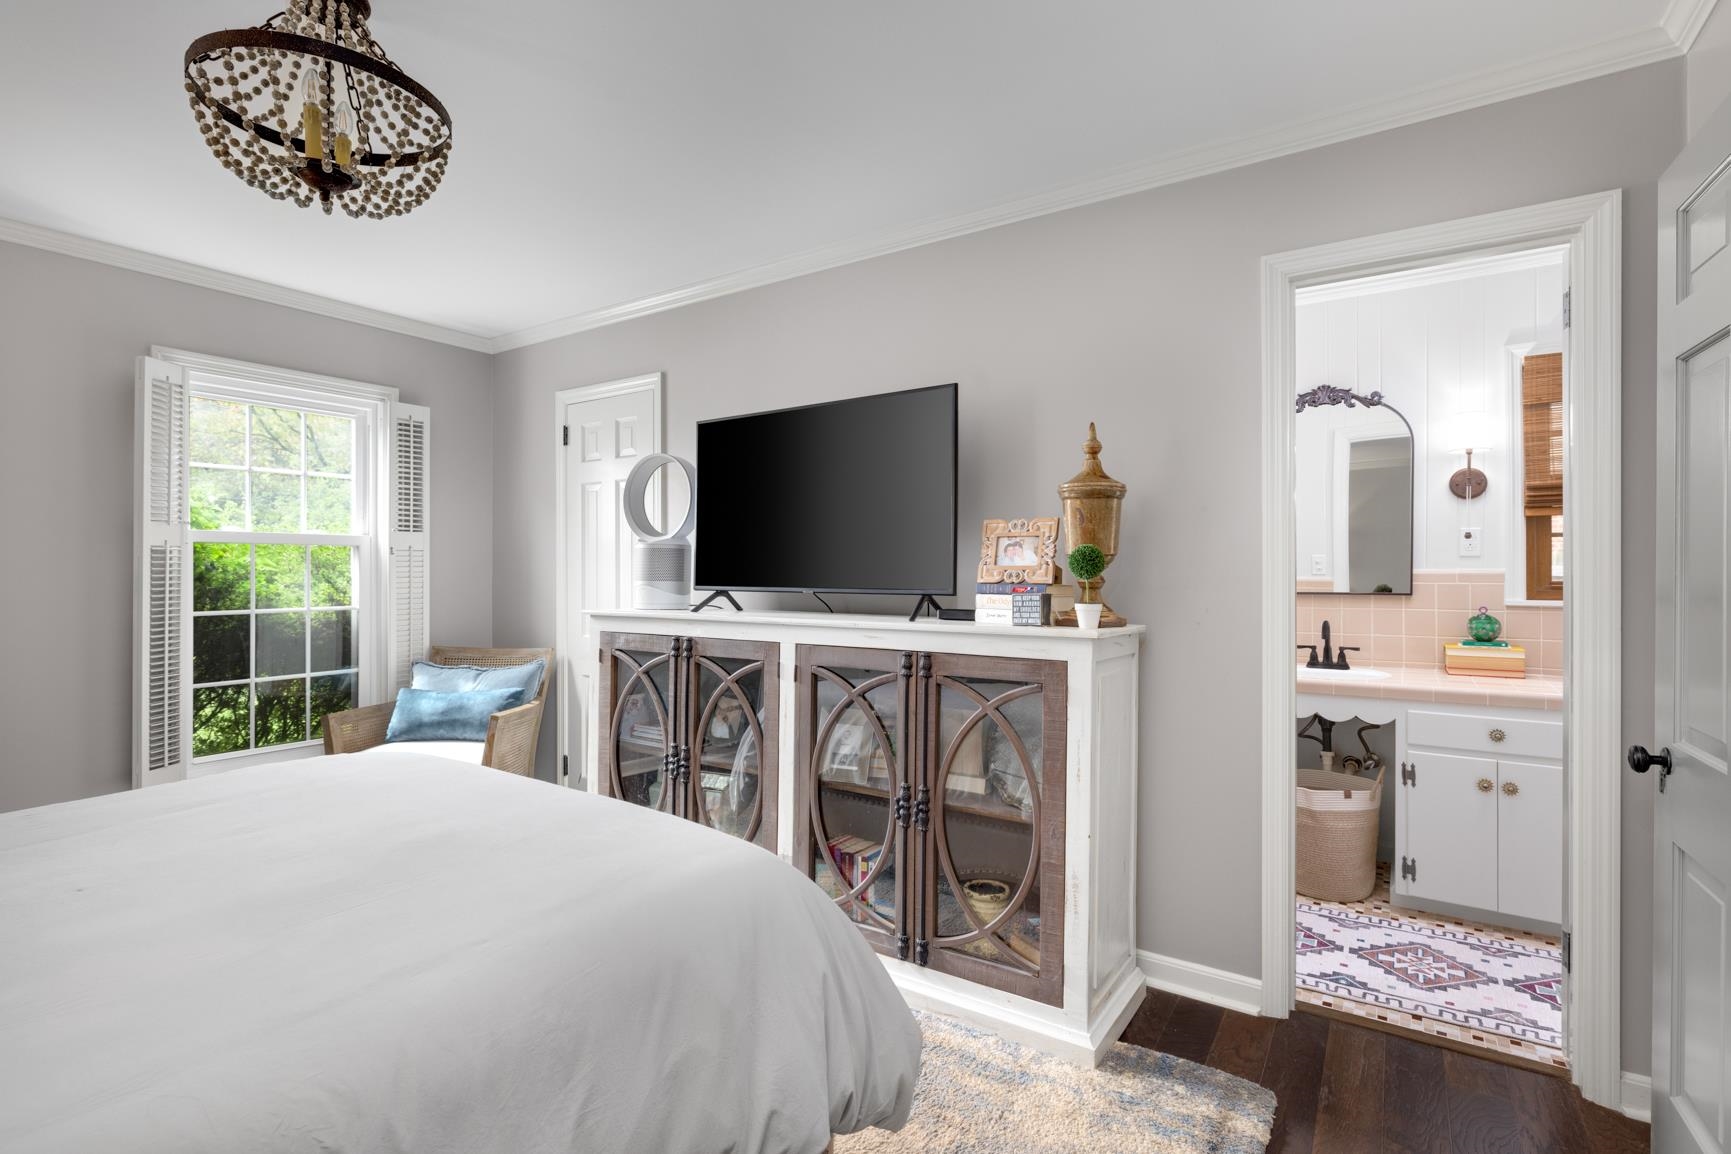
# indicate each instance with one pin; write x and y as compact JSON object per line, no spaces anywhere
{"x":341,"y":145}
{"x":313,"y":131}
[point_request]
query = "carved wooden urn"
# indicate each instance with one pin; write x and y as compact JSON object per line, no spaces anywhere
{"x":1093,"y":507}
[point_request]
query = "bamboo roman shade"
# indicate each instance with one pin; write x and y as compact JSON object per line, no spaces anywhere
{"x":1542,"y":433}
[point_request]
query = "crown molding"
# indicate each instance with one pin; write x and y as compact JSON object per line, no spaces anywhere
{"x":151,"y":264}
{"x":1551,"y":256}
{"x":1647,"y":46}
{"x":1684,"y":19}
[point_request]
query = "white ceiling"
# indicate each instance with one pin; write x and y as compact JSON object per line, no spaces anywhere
{"x":616,"y":157}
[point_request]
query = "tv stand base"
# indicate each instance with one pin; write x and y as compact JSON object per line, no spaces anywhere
{"x":925,"y":600}
{"x":718,"y":595}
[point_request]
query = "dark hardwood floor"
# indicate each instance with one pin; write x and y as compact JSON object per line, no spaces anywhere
{"x":1343,"y":1088}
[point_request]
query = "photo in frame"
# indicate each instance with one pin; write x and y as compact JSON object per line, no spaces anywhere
{"x":1024,"y":549}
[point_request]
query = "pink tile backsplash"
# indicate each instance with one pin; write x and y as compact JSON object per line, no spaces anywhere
{"x":1411,"y":631}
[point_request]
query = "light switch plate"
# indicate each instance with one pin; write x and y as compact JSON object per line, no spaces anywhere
{"x":1472,"y":545}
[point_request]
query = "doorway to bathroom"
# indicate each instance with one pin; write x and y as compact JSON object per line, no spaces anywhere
{"x":1429,"y":608}
{"x":1425,"y":394}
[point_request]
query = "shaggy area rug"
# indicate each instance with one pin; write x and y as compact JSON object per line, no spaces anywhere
{"x":982,"y":1094}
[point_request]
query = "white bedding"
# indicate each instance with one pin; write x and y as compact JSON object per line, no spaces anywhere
{"x":466,"y":751}
{"x":399,"y":953}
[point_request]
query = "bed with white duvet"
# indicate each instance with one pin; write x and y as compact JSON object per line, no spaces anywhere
{"x":397,"y":952}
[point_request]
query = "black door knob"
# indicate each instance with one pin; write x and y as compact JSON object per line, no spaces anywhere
{"x":1641,"y":761}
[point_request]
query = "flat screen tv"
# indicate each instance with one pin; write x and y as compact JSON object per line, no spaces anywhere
{"x":853,"y":496}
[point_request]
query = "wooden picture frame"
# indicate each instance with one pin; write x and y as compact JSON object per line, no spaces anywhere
{"x":1023,"y":549}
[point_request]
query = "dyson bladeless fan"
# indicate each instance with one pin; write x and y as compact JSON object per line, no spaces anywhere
{"x":660,"y":561}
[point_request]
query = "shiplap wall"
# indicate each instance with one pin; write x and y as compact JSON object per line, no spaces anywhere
{"x":1435,"y":351}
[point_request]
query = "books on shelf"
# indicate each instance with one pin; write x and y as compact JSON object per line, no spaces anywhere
{"x":853,"y":859}
{"x":1012,"y":603}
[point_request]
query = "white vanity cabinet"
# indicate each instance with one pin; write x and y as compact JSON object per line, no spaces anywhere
{"x":1446,"y":830}
{"x":1479,"y":815}
{"x":1530,"y":840}
{"x":1478,"y":804}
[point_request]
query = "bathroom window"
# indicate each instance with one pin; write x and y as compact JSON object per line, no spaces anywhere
{"x":1542,"y":455}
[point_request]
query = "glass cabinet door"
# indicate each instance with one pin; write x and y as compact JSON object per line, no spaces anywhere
{"x":732,"y":737}
{"x":640,"y":702}
{"x":990,"y":797}
{"x":852,"y":792}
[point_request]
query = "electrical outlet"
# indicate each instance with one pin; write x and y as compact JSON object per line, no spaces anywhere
{"x":1319,"y":564}
{"x":1471,"y":545}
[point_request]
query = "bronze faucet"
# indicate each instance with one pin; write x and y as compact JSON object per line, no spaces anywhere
{"x":1332,"y":658}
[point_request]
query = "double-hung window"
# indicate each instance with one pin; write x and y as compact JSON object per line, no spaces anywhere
{"x":280,"y":549}
{"x":277,"y":583}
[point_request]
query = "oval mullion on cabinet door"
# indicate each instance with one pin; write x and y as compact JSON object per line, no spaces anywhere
{"x":637,"y":678}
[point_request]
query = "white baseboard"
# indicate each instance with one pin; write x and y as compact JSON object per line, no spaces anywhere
{"x":1637,"y":1096}
{"x":1204,"y":983}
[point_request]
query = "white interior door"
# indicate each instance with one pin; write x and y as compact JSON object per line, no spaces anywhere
{"x":606,"y":436}
{"x":1692,"y":833}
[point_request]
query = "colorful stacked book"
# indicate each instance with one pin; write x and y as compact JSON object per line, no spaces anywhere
{"x":854,"y":858}
{"x":1007,"y":603}
{"x":1484,"y":659}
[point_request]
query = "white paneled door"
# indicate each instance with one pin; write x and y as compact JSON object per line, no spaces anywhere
{"x":1692,"y":832}
{"x":605,"y":436}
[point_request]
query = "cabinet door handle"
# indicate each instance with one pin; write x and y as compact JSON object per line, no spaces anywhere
{"x":1510,"y":789}
{"x":1498,"y":735}
{"x":1485,"y":785}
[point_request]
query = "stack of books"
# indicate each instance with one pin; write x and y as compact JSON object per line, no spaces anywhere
{"x":1004,"y":603}
{"x":1484,"y":659}
{"x":854,"y":859}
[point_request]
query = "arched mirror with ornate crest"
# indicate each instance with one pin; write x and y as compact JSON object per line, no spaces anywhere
{"x":1354,"y":493}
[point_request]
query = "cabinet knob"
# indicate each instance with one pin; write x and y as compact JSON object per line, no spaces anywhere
{"x":1485,"y":784}
{"x":1498,"y":735}
{"x":1510,"y":789}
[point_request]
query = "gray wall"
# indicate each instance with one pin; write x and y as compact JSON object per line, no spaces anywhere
{"x":1141,"y":313}
{"x":1710,"y":67}
{"x":69,"y":330}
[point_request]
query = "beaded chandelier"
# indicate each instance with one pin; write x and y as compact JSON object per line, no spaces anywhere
{"x":307,"y":106}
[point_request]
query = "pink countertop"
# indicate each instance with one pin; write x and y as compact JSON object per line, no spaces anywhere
{"x":1429,"y":683}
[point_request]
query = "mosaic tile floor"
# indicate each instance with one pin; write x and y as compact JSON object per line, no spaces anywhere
{"x":1491,"y":988}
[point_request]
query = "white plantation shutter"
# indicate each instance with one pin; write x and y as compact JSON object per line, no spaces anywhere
{"x":408,"y":529}
{"x":162,"y":586}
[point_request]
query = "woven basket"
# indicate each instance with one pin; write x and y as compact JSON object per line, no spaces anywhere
{"x":1338,"y":817}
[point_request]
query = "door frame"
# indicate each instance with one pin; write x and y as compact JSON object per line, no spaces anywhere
{"x":566,"y":617}
{"x":1591,"y":226}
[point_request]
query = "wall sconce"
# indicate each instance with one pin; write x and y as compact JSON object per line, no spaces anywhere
{"x":1469,"y":433}
{"x":1469,"y":482}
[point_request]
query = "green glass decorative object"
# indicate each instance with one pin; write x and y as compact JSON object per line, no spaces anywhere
{"x":1483,"y":626}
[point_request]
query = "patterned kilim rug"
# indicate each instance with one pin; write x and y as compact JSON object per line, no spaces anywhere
{"x":982,"y":1094}
{"x":1497,"y":989}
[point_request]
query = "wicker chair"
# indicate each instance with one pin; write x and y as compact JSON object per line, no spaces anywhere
{"x":511,"y":733}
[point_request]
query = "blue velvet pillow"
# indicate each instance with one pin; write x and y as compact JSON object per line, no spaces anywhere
{"x":463,"y":678}
{"x":427,"y":715}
